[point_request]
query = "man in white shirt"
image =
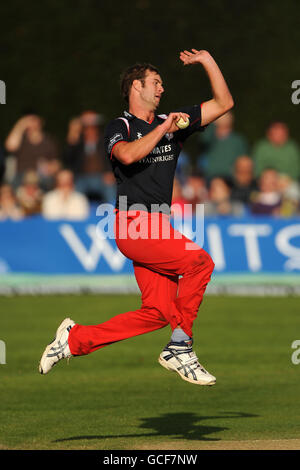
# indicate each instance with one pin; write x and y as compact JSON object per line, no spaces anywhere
{"x":64,"y":202}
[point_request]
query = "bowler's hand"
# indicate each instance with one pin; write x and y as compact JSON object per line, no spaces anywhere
{"x":169,"y":124}
{"x":194,"y":57}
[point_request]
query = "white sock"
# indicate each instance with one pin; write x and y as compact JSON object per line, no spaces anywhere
{"x":179,"y":335}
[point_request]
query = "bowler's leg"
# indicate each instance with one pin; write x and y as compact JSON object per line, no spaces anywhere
{"x":158,"y":291}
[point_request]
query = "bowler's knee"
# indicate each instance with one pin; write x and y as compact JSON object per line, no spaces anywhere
{"x":204,"y":261}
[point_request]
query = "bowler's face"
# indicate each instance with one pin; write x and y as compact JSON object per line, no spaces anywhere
{"x":152,"y":90}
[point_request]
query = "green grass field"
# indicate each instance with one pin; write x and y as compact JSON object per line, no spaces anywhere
{"x":120,"y":397}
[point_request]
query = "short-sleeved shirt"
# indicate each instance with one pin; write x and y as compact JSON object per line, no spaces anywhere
{"x":148,"y":182}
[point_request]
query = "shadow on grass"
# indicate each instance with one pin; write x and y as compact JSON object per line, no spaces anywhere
{"x":176,"y":425}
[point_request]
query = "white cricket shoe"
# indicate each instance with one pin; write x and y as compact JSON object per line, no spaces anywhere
{"x":180,"y":358}
{"x":58,"y":349}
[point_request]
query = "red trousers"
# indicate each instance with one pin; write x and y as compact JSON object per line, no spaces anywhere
{"x":171,"y":271}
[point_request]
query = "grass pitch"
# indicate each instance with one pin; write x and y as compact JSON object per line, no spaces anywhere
{"x":120,"y":397}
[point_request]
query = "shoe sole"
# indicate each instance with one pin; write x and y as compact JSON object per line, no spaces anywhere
{"x":58,"y":333}
{"x":164,"y":364}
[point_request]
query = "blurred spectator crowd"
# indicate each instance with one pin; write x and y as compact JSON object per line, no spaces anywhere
{"x":38,"y":175}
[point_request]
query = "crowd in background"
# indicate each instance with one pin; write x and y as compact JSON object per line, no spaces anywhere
{"x":65,"y":181}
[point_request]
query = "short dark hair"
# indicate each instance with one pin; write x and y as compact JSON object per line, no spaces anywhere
{"x":274,"y":122}
{"x":134,"y":72}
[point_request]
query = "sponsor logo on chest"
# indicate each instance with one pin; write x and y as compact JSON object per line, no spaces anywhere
{"x":160,"y":153}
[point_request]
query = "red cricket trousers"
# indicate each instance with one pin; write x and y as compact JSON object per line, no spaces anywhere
{"x":171,"y":271}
